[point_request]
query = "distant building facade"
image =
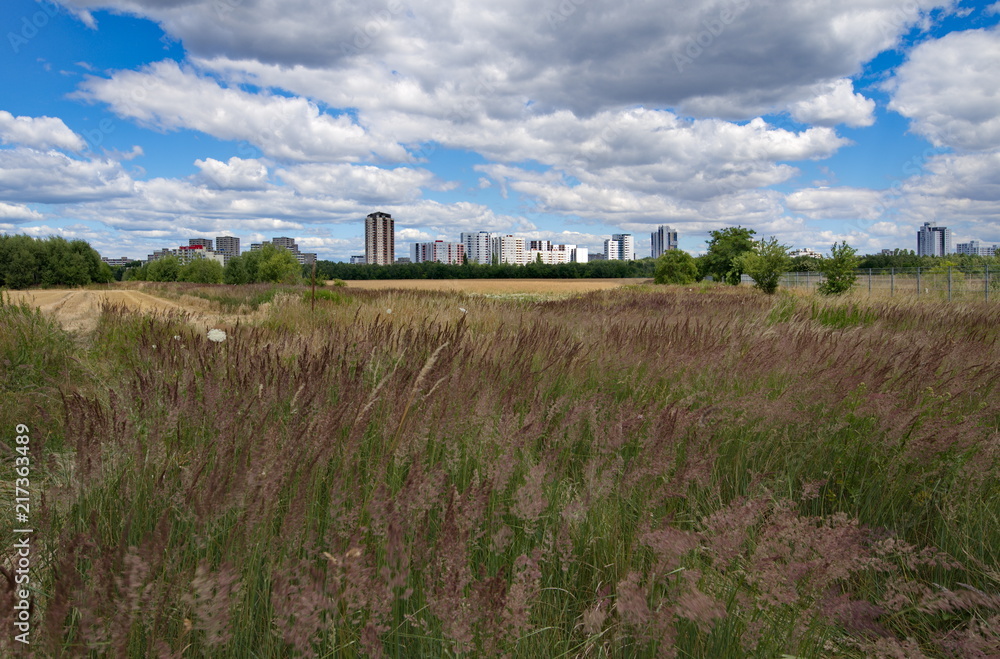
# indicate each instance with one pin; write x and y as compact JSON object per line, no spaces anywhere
{"x":509,"y":249}
{"x":933,"y":241}
{"x":228,"y":246}
{"x":620,"y":247}
{"x":661,"y":240}
{"x":380,"y":239}
{"x":977,"y":248}
{"x":439,"y":251}
{"x":805,"y":251}
{"x":113,"y":262}
{"x":358,"y":259}
{"x":478,"y":247}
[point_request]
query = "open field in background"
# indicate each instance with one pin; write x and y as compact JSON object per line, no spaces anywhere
{"x":498,"y":286}
{"x":648,"y":471}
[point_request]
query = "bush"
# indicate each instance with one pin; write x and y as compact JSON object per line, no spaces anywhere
{"x":839,"y":270}
{"x":201,"y":271}
{"x":676,"y":267}
{"x":765,"y":264}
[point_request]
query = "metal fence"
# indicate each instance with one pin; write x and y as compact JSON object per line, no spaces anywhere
{"x":942,"y":282}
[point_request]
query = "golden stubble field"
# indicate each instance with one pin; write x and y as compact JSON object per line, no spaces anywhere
{"x":498,"y":286}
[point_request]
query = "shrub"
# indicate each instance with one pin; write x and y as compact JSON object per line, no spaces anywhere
{"x":765,"y":264}
{"x":675,"y":266}
{"x":839,"y":270}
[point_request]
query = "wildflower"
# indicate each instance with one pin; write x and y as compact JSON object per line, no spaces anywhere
{"x":463,"y":310}
{"x":216,"y":335}
{"x":154,"y":346}
{"x":177,"y":337}
{"x":388,"y":310}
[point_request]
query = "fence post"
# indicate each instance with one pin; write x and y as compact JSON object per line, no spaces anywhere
{"x":949,"y":283}
{"x":986,"y":283}
{"x":869,"y":281}
{"x":892,"y":282}
{"x":918,"y":280}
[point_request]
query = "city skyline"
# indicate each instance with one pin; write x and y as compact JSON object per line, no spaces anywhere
{"x":135,"y":123}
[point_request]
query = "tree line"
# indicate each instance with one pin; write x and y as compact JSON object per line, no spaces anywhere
{"x":53,"y":261}
{"x":435,"y":270}
{"x":267,"y":264}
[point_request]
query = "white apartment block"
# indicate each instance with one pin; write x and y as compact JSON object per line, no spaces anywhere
{"x":620,"y":247}
{"x":478,"y":247}
{"x":438,"y":251}
{"x":977,"y":248}
{"x":805,"y":251}
{"x":509,"y":249}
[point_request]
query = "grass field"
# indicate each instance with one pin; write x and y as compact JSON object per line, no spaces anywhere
{"x":638,"y":472}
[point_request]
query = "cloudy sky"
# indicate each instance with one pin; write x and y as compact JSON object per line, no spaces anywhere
{"x":137,"y":124}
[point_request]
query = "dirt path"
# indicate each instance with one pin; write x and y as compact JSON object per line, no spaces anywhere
{"x":77,"y":310}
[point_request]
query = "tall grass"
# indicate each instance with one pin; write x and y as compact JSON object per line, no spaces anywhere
{"x":646,"y":472}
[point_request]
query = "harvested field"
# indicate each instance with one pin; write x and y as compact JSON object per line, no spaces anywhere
{"x":500,"y":286}
{"x":78,"y":310}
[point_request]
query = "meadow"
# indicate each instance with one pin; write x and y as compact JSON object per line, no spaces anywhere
{"x":647,"y":471}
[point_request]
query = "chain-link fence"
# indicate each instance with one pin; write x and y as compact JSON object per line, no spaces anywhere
{"x":942,"y":282}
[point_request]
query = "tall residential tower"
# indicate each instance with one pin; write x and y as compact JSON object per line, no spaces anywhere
{"x":933,"y":241}
{"x":661,"y":240}
{"x":380,"y":239}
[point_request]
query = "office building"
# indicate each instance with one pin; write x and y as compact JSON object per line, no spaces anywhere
{"x":439,"y":251}
{"x":358,"y":259}
{"x":380,"y":239}
{"x":661,"y":240}
{"x":620,"y":247}
{"x":933,"y":241}
{"x":478,"y":247}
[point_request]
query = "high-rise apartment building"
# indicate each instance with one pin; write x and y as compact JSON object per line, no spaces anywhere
{"x":228,"y":246}
{"x":933,"y":241}
{"x":509,"y":249}
{"x":439,"y":251}
{"x":206,"y":243}
{"x":661,"y":240}
{"x":620,"y":247}
{"x":380,"y":239}
{"x":478,"y":247}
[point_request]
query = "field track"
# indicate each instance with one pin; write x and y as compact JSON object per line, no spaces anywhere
{"x":501,"y":286}
{"x":78,"y":309}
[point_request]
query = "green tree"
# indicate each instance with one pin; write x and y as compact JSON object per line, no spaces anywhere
{"x":839,"y":270}
{"x":724,"y":250}
{"x":278,"y":265}
{"x":164,"y":269}
{"x":235,"y":271}
{"x":765,"y":264}
{"x":675,"y":266}
{"x":201,"y":271}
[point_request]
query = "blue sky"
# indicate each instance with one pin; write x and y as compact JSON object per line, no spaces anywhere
{"x":137,"y":124}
